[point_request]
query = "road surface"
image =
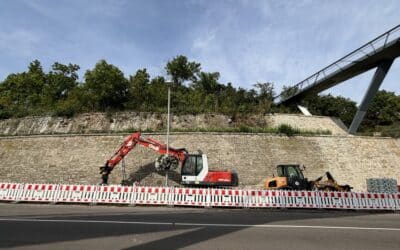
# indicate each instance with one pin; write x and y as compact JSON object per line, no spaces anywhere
{"x":38,"y":226}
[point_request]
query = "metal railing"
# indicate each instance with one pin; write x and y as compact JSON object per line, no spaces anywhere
{"x":353,"y":57}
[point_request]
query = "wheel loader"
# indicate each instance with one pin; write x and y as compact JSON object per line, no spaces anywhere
{"x":290,"y":177}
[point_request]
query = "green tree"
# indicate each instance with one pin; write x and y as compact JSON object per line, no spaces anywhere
{"x":384,"y":109}
{"x":265,"y":96}
{"x":21,"y":94}
{"x":180,"y":70}
{"x":288,"y":91}
{"x":328,"y":105}
{"x":138,"y":90}
{"x":106,"y":87}
{"x":157,"y":94}
{"x":60,"y":81}
{"x":208,"y":82}
{"x":228,"y":100}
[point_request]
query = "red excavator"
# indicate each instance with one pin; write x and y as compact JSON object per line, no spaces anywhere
{"x":194,"y":167}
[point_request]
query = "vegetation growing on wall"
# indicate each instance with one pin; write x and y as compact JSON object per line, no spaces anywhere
{"x":105,"y":88}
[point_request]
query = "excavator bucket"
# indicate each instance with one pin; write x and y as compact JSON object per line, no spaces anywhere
{"x":166,"y":162}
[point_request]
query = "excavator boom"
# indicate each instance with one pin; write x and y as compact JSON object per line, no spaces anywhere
{"x":194,"y":167}
{"x":178,"y":155}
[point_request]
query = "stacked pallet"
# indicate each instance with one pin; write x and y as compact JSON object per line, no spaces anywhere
{"x":382,"y":185}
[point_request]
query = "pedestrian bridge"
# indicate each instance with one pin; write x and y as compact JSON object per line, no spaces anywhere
{"x":378,"y":53}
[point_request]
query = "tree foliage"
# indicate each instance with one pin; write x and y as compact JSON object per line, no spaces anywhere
{"x":180,"y":69}
{"x":384,"y":109}
{"x":328,"y":105}
{"x":105,"y":88}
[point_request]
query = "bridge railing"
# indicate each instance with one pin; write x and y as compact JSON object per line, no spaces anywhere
{"x":355,"y":56}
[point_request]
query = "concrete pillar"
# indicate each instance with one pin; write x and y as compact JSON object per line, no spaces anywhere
{"x":376,"y":82}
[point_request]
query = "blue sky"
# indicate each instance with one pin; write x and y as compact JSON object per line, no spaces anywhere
{"x":246,"y":41}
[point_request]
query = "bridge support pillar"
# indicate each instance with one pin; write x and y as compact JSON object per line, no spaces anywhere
{"x":376,"y":82}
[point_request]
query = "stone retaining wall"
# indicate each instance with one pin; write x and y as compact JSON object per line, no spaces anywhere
{"x":76,"y":159}
{"x":123,"y":121}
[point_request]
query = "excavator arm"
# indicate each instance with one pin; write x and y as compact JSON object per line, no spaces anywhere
{"x":174,"y":157}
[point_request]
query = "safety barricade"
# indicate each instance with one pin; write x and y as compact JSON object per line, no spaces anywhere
{"x":40,"y":193}
{"x":388,"y":201}
{"x":397,"y":200}
{"x":190,"y":197}
{"x":335,"y":200}
{"x":374,"y":201}
{"x":76,"y":194}
{"x":197,"y":197}
{"x":226,"y":198}
{"x":151,"y":196}
{"x":113,"y":194}
{"x":348,"y":200}
{"x":300,"y":199}
{"x":11,"y":191}
{"x":263,"y":198}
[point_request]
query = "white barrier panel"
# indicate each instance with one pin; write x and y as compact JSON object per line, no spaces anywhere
{"x":376,"y":201}
{"x":264,"y":198}
{"x":39,"y":192}
{"x":226,"y":198}
{"x":388,"y":201}
{"x":300,"y":199}
{"x":331,"y":200}
{"x":113,"y":194}
{"x":190,"y":197}
{"x":197,"y":197}
{"x":10,"y":191}
{"x":76,"y":193}
{"x":397,"y":200}
{"x":151,"y":196}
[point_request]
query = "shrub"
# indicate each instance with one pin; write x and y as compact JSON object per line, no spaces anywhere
{"x":288,"y":130}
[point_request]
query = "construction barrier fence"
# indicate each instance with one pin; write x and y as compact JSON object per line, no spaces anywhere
{"x":199,"y":197}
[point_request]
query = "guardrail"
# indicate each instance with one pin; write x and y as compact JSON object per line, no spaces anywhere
{"x":198,"y":197}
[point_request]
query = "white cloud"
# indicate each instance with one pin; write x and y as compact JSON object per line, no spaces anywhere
{"x":247,"y":41}
{"x":285,"y":42}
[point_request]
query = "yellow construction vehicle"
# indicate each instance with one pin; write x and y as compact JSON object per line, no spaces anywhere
{"x":291,"y":177}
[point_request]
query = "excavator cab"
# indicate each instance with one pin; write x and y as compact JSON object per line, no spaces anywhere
{"x":193,"y":165}
{"x":195,"y":172}
{"x":289,"y":177}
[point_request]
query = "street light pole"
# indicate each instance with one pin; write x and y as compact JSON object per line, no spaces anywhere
{"x":168,"y":125}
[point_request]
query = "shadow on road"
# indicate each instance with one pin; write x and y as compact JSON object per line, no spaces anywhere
{"x":19,"y":233}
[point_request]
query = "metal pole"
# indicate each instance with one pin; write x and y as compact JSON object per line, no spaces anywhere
{"x":169,"y":103}
{"x":168,"y":121}
{"x":373,"y":88}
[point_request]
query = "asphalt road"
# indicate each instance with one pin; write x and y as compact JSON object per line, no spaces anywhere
{"x":28,"y":226}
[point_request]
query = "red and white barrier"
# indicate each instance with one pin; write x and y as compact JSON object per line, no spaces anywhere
{"x":396,"y":200}
{"x":113,"y":194}
{"x":264,"y":198}
{"x":200,"y":197}
{"x":227,"y":198}
{"x":10,"y":191}
{"x":76,"y":193}
{"x":190,"y":197}
{"x":151,"y":196}
{"x":39,"y":192}
{"x":301,"y":199}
